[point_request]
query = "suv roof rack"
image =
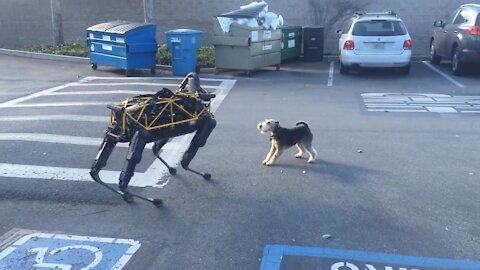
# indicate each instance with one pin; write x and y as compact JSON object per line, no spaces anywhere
{"x":363,"y":13}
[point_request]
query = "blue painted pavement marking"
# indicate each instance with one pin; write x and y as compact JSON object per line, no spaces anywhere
{"x":336,"y":259}
{"x":67,"y":252}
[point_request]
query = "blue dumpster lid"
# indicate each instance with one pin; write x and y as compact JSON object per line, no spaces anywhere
{"x":183,"y":31}
{"x":118,"y":27}
{"x":124,"y":28}
{"x":102,"y":27}
{"x":249,"y":12}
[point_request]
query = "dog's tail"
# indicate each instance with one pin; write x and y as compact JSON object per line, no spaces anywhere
{"x":301,"y":123}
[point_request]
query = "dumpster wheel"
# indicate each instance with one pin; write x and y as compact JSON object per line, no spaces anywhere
{"x":153,"y":70}
{"x":277,"y":67}
{"x":94,"y":66}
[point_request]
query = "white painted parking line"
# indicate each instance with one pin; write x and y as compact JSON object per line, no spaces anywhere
{"x":138,"y":84}
{"x":56,"y":117}
{"x":101,"y":92}
{"x":330,"y":74}
{"x":171,"y":152}
{"x":56,"y":104}
{"x":93,"y":78}
{"x":413,"y":102}
{"x":449,"y":78}
{"x":57,"y":173}
{"x":60,"y":139}
{"x":11,"y":103}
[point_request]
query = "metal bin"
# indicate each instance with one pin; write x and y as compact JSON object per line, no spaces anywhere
{"x":291,"y":42}
{"x":123,"y":44}
{"x":246,"y":48}
{"x":313,"y":40}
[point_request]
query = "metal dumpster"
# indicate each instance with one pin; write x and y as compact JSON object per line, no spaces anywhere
{"x":246,"y":48}
{"x":291,"y":42}
{"x":123,"y":44}
{"x":313,"y":43}
{"x":183,"y":43}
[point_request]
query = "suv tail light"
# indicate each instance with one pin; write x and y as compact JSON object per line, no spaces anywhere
{"x":407,"y":44}
{"x":349,"y":45}
{"x":474,"y":30}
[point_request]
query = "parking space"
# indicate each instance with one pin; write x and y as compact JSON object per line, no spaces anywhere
{"x":54,"y":125}
{"x":392,"y":190}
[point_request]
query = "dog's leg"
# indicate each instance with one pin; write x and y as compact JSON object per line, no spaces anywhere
{"x":312,"y":152}
{"x":301,"y":150}
{"x":270,"y":153}
{"x":276,"y":154}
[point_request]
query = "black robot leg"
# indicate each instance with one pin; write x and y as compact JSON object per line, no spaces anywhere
{"x":206,"y":126}
{"x":104,"y":152}
{"x":156,"y":151}
{"x":134,"y":155}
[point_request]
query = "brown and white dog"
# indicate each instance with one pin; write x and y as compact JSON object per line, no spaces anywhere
{"x":283,"y":138}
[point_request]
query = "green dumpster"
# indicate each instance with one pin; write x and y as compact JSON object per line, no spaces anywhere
{"x":291,"y":42}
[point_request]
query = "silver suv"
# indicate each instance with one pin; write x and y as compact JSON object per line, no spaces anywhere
{"x":457,"y":38}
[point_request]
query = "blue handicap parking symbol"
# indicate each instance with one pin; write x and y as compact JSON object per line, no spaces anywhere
{"x":67,"y":252}
{"x":276,"y":257}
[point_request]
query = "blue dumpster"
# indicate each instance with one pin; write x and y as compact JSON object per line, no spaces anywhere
{"x":123,"y":44}
{"x":184,"y":43}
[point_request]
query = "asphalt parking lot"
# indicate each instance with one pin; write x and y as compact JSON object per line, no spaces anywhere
{"x":395,"y":184}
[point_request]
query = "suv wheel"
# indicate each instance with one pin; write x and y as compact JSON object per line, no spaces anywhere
{"x":434,"y":58}
{"x":458,"y":67}
{"x":343,"y":68}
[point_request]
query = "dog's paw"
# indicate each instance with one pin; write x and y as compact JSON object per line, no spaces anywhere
{"x":268,"y":164}
{"x":311,"y":160}
{"x":299,"y":155}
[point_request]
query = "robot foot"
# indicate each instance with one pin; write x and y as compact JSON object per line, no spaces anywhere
{"x":124,"y":193}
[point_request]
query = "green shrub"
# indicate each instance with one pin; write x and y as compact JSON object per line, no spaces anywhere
{"x":72,"y":49}
{"x":205,"y":56}
{"x":164,"y":56}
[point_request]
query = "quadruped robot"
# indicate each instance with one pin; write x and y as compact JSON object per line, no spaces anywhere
{"x":156,"y":118}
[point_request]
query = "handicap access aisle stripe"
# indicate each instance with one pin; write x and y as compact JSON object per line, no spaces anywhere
{"x":273,"y":254}
{"x":65,"y":252}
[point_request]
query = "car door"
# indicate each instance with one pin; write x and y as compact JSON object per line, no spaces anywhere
{"x":442,"y":35}
{"x":455,"y":30}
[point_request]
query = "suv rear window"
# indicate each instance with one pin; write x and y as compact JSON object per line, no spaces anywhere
{"x":379,"y":28}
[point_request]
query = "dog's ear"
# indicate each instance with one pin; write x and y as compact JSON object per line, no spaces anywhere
{"x":275,"y":123}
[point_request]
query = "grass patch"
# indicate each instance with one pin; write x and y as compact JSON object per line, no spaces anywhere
{"x":205,"y":56}
{"x":71,"y":49}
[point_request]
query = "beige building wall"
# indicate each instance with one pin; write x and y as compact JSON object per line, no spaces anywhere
{"x":27,"y":22}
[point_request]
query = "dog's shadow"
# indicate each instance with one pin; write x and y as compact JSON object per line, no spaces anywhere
{"x":336,"y":171}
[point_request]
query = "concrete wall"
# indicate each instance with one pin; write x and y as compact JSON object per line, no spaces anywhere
{"x":27,"y":22}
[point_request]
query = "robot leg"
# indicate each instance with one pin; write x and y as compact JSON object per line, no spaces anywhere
{"x":134,"y":155}
{"x":104,"y":152}
{"x":156,"y":149}
{"x":206,"y":126}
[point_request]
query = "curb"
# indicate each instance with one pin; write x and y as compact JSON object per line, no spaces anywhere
{"x":74,"y":59}
{"x":45,"y":56}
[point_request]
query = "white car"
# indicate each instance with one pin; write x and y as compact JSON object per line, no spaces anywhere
{"x":377,"y":40}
